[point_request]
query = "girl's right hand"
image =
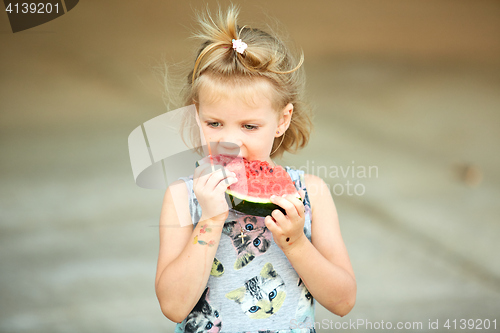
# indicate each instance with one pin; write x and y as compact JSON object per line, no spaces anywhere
{"x":210,"y":187}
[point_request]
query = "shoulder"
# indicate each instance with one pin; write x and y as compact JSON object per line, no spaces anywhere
{"x":319,"y":195}
{"x":178,"y":188}
{"x":175,"y":208}
{"x":312,"y":179}
{"x":315,"y":185}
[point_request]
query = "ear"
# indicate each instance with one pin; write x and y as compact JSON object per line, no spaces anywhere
{"x":268,"y":271}
{"x":201,"y":305}
{"x":243,"y":260}
{"x":237,"y":294}
{"x":217,"y":268}
{"x":285,"y":117}
{"x":228,"y":227}
{"x":205,"y":293}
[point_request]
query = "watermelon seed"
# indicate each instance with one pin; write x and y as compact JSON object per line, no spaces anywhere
{"x":271,"y":170}
{"x":288,"y":239}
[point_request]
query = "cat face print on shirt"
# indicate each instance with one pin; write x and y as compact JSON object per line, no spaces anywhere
{"x":203,"y":318}
{"x":217,"y":268}
{"x":262,"y":296}
{"x":250,"y":238}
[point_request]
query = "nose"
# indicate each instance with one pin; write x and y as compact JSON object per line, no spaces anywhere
{"x":228,"y":145}
{"x":230,"y":140}
{"x":227,"y":148}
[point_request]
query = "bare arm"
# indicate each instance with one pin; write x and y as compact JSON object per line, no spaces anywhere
{"x":324,"y":264}
{"x":183,"y":266}
{"x":186,"y":254}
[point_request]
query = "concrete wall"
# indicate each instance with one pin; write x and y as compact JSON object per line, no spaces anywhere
{"x":407,"y":87}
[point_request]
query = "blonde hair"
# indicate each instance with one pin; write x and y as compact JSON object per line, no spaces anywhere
{"x":265,"y":59}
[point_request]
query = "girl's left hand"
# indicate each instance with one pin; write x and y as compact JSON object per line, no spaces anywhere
{"x":287,"y":230}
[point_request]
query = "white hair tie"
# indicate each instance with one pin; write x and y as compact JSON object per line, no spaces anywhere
{"x":239,"y":46}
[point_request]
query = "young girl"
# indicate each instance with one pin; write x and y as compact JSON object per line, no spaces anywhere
{"x":223,"y":271}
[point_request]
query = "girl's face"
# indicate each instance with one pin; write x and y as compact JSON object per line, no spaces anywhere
{"x":235,"y":127}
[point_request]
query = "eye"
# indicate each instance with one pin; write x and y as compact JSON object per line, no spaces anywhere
{"x":254,"y":309}
{"x":216,"y":314}
{"x":249,"y":227}
{"x":214,"y":124}
{"x":272,"y":295}
{"x":256,"y":242}
{"x":209,"y":326}
{"x":250,"y":127}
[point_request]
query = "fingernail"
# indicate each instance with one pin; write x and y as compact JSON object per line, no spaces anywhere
{"x":273,"y":196}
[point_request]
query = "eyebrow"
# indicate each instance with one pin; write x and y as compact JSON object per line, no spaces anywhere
{"x":207,"y":118}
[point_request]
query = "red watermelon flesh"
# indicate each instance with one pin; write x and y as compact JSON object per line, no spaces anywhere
{"x":257,"y":182}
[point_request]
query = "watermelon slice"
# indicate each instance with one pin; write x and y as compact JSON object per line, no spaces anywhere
{"x":257,"y":182}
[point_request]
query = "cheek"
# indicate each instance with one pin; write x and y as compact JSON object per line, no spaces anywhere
{"x":265,"y":141}
{"x":208,"y":132}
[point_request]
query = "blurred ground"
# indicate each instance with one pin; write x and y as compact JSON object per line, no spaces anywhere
{"x":409,"y":88}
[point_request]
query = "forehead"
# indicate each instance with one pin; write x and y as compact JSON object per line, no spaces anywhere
{"x":253,"y":92}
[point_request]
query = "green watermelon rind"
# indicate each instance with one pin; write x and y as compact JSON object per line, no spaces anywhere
{"x":248,"y":198}
{"x":252,"y":205}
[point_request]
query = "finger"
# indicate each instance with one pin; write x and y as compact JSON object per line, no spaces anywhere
{"x":201,"y":170}
{"x":280,"y":218}
{"x":225,"y":183}
{"x":218,"y":177}
{"x":206,"y":169}
{"x":213,"y":179}
{"x":205,"y":160}
{"x":298,"y":204}
{"x":204,"y":174}
{"x":288,"y":206}
{"x":271,"y":225}
{"x":200,"y":175}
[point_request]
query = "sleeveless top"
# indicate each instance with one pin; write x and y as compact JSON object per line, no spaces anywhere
{"x":252,"y":287}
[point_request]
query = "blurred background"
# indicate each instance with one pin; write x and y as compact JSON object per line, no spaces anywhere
{"x":408,"y":88}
